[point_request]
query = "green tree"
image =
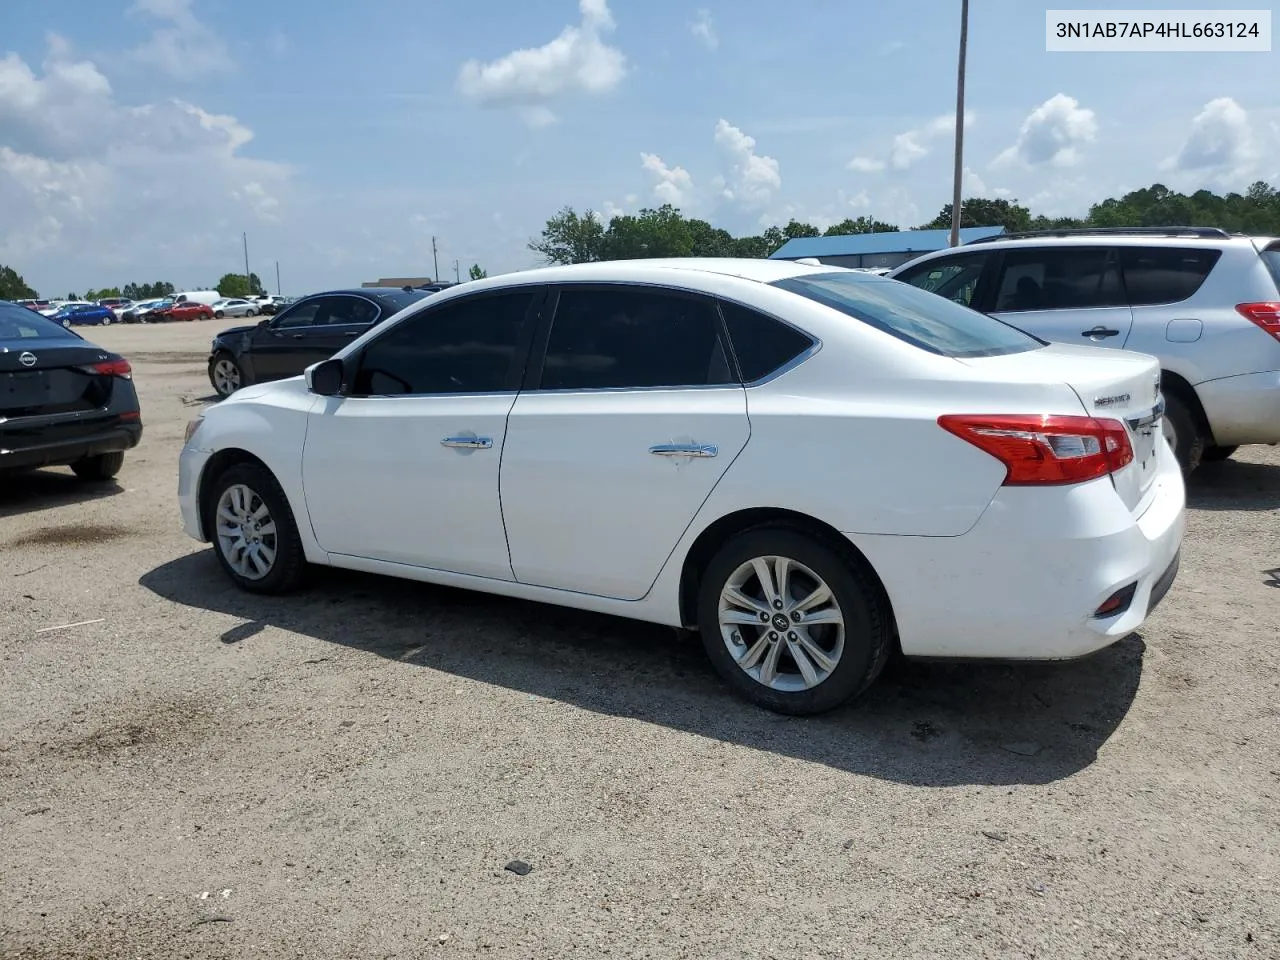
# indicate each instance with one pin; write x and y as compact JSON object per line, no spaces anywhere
{"x":102,"y":294}
{"x":854,"y":225}
{"x":238,"y":285}
{"x":13,"y":287}
{"x":570,"y":238}
{"x":650,"y":233}
{"x":477,"y":272}
{"x":73,"y":296}
{"x":979,"y":212}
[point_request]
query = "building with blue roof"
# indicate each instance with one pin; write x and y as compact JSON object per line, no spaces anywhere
{"x":876,"y":249}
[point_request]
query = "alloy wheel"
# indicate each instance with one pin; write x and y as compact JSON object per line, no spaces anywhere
{"x":226,"y":376}
{"x":781,"y":624}
{"x":246,"y":532}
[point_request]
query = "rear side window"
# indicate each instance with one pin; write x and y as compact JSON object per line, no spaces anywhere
{"x":761,"y":344}
{"x":464,"y":346}
{"x":955,"y":278}
{"x":1060,"y":278}
{"x":914,"y":315}
{"x":631,"y":337}
{"x":1164,"y":274}
{"x":19,"y":323}
{"x":1271,"y":257}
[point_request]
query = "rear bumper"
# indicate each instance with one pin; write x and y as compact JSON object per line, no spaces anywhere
{"x":1024,"y":583}
{"x":68,"y":449}
{"x":1243,"y":409}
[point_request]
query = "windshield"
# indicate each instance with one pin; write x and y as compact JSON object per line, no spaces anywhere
{"x":916,"y":316}
{"x":19,"y":323}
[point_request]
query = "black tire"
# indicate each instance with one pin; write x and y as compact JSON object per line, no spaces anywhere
{"x":289,"y":567}
{"x":251,"y":313}
{"x":219,"y":357}
{"x":867,"y":632}
{"x":102,"y":467}
{"x":1217,"y":454}
{"x":218,"y":314}
{"x":1188,"y":440}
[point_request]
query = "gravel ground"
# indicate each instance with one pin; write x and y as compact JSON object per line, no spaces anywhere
{"x":196,"y":772}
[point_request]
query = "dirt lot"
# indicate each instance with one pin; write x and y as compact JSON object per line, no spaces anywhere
{"x":195,"y":772}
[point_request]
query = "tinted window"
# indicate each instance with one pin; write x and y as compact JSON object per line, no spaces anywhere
{"x":760,"y":343}
{"x":955,"y":278}
{"x":19,"y":323}
{"x":466,"y":346}
{"x":301,"y":315}
{"x":341,"y":310}
{"x":1164,"y":274}
{"x":1271,"y":257}
{"x":911,"y":314}
{"x":630,"y":337}
{"x":1061,"y":278}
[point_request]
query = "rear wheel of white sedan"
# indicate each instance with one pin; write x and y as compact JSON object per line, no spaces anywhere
{"x":791,"y":623}
{"x":253,"y":530}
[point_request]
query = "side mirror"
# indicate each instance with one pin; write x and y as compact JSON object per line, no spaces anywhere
{"x":325,"y":378}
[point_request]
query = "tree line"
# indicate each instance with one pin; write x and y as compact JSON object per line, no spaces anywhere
{"x":14,"y":287}
{"x":572,"y":237}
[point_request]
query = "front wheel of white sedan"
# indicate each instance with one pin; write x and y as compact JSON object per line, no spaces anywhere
{"x":253,"y":530}
{"x":791,"y":623}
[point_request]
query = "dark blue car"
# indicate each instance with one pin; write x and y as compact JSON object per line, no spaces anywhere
{"x":84,"y":314}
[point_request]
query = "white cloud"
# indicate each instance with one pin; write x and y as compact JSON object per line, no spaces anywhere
{"x":672,"y":185}
{"x":578,"y":61}
{"x":1053,"y":133}
{"x":704,"y":29}
{"x":753,"y":178}
{"x":866,"y":165}
{"x":1220,"y":141}
{"x":181,"y":45}
{"x":73,"y":188}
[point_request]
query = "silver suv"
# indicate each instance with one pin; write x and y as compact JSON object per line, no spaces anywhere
{"x":1204,"y":301}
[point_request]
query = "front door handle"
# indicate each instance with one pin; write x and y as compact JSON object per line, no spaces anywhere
{"x":684,"y":450}
{"x":468,"y":443}
{"x":297,"y":336}
{"x":1098,"y":333}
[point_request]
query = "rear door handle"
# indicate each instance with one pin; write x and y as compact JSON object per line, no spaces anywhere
{"x":297,"y":336}
{"x":1098,"y":333}
{"x":468,"y":443}
{"x":684,"y":450}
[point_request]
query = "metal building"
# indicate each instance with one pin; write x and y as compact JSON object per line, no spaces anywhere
{"x":876,"y":249}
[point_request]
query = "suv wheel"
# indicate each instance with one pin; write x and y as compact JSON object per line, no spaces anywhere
{"x":1184,"y":436}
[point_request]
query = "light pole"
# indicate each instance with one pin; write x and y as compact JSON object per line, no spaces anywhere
{"x":959,"y":169}
{"x":245,"y":237}
{"x":435,"y":260}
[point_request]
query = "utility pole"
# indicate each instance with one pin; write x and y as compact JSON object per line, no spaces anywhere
{"x":435,"y":261}
{"x":278,"y":279}
{"x":457,"y":277}
{"x":959,"y":168}
{"x":245,"y":237}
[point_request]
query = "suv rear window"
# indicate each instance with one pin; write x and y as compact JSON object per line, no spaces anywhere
{"x":1271,"y":257}
{"x":1164,"y":274}
{"x":916,"y":316}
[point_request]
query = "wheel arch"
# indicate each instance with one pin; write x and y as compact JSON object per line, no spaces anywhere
{"x":719,"y":532}
{"x":214,"y":467}
{"x":1175,"y":384}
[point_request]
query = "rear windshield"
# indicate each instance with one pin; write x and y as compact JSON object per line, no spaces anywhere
{"x":19,"y":323}
{"x":1271,"y":257}
{"x":917,"y":316}
{"x":402,"y":298}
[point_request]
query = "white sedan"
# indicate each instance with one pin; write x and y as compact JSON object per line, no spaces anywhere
{"x":235,"y":307}
{"x":809,"y":465}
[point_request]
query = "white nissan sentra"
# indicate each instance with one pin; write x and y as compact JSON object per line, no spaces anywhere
{"x":808,"y":465}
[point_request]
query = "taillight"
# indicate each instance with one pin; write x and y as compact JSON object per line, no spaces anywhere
{"x":112,"y":368}
{"x":1046,"y":449}
{"x":1266,"y":315}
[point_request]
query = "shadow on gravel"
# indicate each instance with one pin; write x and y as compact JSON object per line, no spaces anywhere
{"x":46,"y":489}
{"x":922,"y":724}
{"x":1234,"y":485}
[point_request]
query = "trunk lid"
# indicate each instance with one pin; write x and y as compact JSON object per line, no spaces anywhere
{"x":1111,"y":384}
{"x":42,"y":377}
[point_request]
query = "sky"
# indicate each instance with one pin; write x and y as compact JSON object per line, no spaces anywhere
{"x":142,"y":140}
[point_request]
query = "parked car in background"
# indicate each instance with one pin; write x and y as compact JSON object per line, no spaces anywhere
{"x":184,"y":310}
{"x":307,"y":331}
{"x":50,"y":307}
{"x":36,"y":305}
{"x":1205,"y":302}
{"x":117,"y":305}
{"x":270,"y":306}
{"x":235,"y":307}
{"x":810,"y":465}
{"x":207,"y":297}
{"x":142,"y":311}
{"x":63,"y":400}
{"x":84,"y":314}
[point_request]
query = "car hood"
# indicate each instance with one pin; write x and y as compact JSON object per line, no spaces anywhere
{"x":236,"y":331}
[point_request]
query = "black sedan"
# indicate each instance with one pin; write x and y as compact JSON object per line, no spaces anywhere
{"x":63,"y":401}
{"x":307,"y":331}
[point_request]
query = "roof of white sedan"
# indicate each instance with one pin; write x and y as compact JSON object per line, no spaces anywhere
{"x":763,"y":271}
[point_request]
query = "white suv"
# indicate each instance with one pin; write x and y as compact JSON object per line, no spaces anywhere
{"x":1203,"y":301}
